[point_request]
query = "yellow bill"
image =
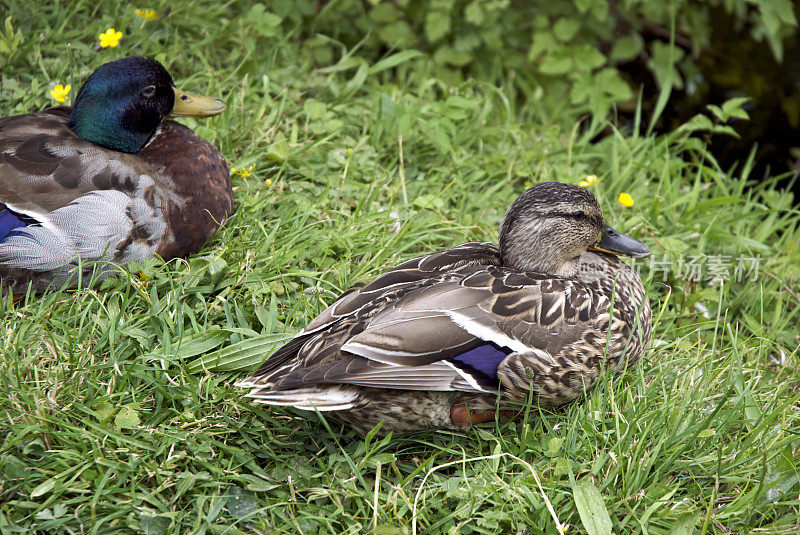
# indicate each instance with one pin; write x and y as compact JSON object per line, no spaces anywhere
{"x":188,"y":105}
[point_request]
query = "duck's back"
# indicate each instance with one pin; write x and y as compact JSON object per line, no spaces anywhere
{"x":321,"y":340}
{"x":45,"y":166}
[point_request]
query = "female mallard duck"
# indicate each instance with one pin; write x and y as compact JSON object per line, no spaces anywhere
{"x":109,"y":180}
{"x":431,"y":342}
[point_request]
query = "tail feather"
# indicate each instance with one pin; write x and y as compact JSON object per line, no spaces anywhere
{"x":321,"y":398}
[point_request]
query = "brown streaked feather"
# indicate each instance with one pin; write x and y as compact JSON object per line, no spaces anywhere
{"x":436,"y":376}
{"x":325,"y":334}
{"x":45,"y":166}
{"x":402,"y":278}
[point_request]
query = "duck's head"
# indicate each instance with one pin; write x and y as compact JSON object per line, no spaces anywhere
{"x":552,"y":224}
{"x":122,"y":103}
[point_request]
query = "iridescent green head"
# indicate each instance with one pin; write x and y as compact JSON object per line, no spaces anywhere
{"x":122,"y":103}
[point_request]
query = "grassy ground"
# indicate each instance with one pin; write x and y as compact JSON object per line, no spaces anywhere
{"x":116,"y":404}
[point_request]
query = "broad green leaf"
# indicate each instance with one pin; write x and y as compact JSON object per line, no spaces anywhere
{"x":437,"y":25}
{"x":241,"y":503}
{"x":733,"y":107}
{"x":591,"y":508}
{"x":627,"y":47}
{"x":446,"y":54}
{"x":9,"y":42}
{"x":153,"y":525}
{"x":612,"y":84}
{"x":263,"y":21}
{"x":104,"y":411}
{"x":685,"y":525}
{"x":398,"y":33}
{"x":566,"y":28}
{"x":774,"y":15}
{"x":243,"y":355}
{"x":554,"y":445}
{"x":44,"y":488}
{"x":12,"y":468}
{"x":279,"y":150}
{"x":383,"y":458}
{"x":473,"y":13}
{"x":543,"y":41}
{"x":394,"y":60}
{"x":384,"y":12}
{"x":314,"y":109}
{"x":127,"y":418}
{"x":559,"y":61}
{"x":663,"y":64}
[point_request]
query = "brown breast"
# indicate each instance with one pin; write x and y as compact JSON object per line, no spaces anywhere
{"x":201,"y":183}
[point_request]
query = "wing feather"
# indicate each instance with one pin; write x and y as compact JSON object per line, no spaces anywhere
{"x":399,"y":280}
{"x":436,"y":376}
{"x":105,"y":226}
{"x":45,"y":166}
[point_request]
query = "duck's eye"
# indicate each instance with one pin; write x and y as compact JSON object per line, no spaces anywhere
{"x":578,"y":213}
{"x":148,"y":91}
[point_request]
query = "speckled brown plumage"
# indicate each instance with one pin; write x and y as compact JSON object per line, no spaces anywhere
{"x":440,"y":336}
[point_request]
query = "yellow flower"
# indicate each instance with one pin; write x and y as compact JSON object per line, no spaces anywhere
{"x":247,"y":172}
{"x":147,"y":14}
{"x":583,"y":184}
{"x":110,"y":38}
{"x":591,"y":179}
{"x":243,"y":172}
{"x":60,"y":92}
{"x":268,"y":182}
{"x":625,"y":200}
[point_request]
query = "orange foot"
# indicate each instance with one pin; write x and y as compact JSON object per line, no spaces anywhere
{"x":461,"y":416}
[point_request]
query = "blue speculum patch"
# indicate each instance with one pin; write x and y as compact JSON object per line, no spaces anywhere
{"x":8,"y":222}
{"x":482,"y":362}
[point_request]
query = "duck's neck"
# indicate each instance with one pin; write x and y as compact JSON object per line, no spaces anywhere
{"x":112,"y":127}
{"x":542,"y":264}
{"x":614,"y":275}
{"x":569,"y":269}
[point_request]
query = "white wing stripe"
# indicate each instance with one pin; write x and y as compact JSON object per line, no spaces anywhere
{"x":486,"y":333}
{"x":468,"y":378}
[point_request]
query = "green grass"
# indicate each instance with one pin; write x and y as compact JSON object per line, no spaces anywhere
{"x":116,"y":403}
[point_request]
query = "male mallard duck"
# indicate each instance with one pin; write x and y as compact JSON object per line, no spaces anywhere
{"x":108,"y":180}
{"x":431,"y":342}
